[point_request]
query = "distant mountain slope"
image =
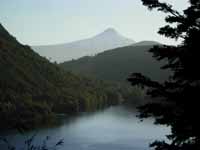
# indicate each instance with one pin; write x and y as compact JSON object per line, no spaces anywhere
{"x":108,"y":39}
{"x":118,"y":64}
{"x":146,"y":43}
{"x":31,"y":87}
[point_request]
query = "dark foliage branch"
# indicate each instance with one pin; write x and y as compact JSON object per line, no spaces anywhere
{"x":184,"y":22}
{"x":164,"y":7}
{"x":175,"y":102}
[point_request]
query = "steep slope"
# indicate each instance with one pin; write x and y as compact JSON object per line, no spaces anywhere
{"x":32,"y":88}
{"x":108,"y":39}
{"x":118,"y":64}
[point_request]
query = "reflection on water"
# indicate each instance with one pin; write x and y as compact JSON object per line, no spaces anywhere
{"x":115,"y":128}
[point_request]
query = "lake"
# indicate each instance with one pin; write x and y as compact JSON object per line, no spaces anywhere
{"x":115,"y":128}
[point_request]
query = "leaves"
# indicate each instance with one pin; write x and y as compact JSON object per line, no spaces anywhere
{"x":32,"y":89}
{"x":174,"y":102}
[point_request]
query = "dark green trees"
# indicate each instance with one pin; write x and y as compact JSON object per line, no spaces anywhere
{"x":175,"y":102}
{"x":32,"y":89}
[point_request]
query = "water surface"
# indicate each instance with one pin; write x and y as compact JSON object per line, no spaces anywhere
{"x":115,"y":128}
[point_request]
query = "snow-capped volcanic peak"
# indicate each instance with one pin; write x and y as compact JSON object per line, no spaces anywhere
{"x":108,"y":39}
{"x":111,"y":33}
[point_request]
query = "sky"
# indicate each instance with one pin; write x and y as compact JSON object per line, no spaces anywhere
{"x":44,"y":22}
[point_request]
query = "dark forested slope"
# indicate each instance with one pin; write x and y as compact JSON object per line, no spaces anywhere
{"x":118,"y":64}
{"x":31,"y":87}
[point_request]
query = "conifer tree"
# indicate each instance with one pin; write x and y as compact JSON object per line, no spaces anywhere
{"x":175,"y":102}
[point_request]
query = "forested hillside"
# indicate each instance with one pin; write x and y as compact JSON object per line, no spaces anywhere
{"x":32,"y":88}
{"x":118,"y":64}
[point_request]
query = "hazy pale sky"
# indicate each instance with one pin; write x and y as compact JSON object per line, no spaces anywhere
{"x":41,"y":22}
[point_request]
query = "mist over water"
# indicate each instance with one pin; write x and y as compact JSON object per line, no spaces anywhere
{"x":115,"y":128}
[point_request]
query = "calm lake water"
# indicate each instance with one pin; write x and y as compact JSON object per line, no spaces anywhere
{"x":115,"y":128}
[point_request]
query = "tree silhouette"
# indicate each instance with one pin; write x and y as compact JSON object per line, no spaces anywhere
{"x":175,"y":102}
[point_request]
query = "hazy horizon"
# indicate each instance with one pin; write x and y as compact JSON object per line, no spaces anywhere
{"x":37,"y":22}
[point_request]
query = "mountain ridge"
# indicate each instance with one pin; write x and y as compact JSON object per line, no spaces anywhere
{"x":117,"y":64}
{"x":108,"y":39}
{"x":146,"y":43}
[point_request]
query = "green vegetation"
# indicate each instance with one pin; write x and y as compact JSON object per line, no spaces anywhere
{"x":117,"y":64}
{"x":32,"y":89}
{"x":114,"y":66}
{"x":175,"y":103}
